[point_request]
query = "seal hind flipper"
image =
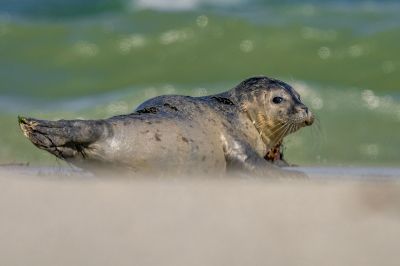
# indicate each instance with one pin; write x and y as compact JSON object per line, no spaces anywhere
{"x":64,"y":138}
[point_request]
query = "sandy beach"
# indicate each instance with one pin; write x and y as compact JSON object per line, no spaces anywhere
{"x":89,"y":60}
{"x":64,"y":218}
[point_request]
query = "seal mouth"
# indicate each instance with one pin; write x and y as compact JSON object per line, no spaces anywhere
{"x":309,"y":120}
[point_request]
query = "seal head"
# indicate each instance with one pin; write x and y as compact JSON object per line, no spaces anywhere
{"x":274,"y":108}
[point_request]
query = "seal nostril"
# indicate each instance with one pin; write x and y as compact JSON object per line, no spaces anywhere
{"x":304,"y":108}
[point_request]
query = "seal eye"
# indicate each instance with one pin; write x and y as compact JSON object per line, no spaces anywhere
{"x":277,"y":100}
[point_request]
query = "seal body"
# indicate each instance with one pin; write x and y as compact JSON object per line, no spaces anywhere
{"x":180,"y":134}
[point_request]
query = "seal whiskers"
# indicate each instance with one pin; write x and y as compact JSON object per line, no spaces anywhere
{"x":277,"y":133}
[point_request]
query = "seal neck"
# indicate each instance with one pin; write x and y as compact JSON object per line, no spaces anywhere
{"x":271,"y":132}
{"x":258,"y":121}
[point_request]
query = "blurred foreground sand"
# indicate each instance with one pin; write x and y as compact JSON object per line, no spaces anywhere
{"x":83,"y":220}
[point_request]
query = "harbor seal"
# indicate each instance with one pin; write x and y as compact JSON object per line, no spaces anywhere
{"x":174,"y":134}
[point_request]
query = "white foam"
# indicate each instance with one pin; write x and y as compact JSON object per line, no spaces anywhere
{"x":181,"y":5}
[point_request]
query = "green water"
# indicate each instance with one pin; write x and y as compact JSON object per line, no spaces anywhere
{"x":79,"y":62}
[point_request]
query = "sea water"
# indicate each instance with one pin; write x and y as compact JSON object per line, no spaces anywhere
{"x":98,"y":58}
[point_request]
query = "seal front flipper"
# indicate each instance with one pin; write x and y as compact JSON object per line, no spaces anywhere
{"x":241,"y":157}
{"x":66,"y":139}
